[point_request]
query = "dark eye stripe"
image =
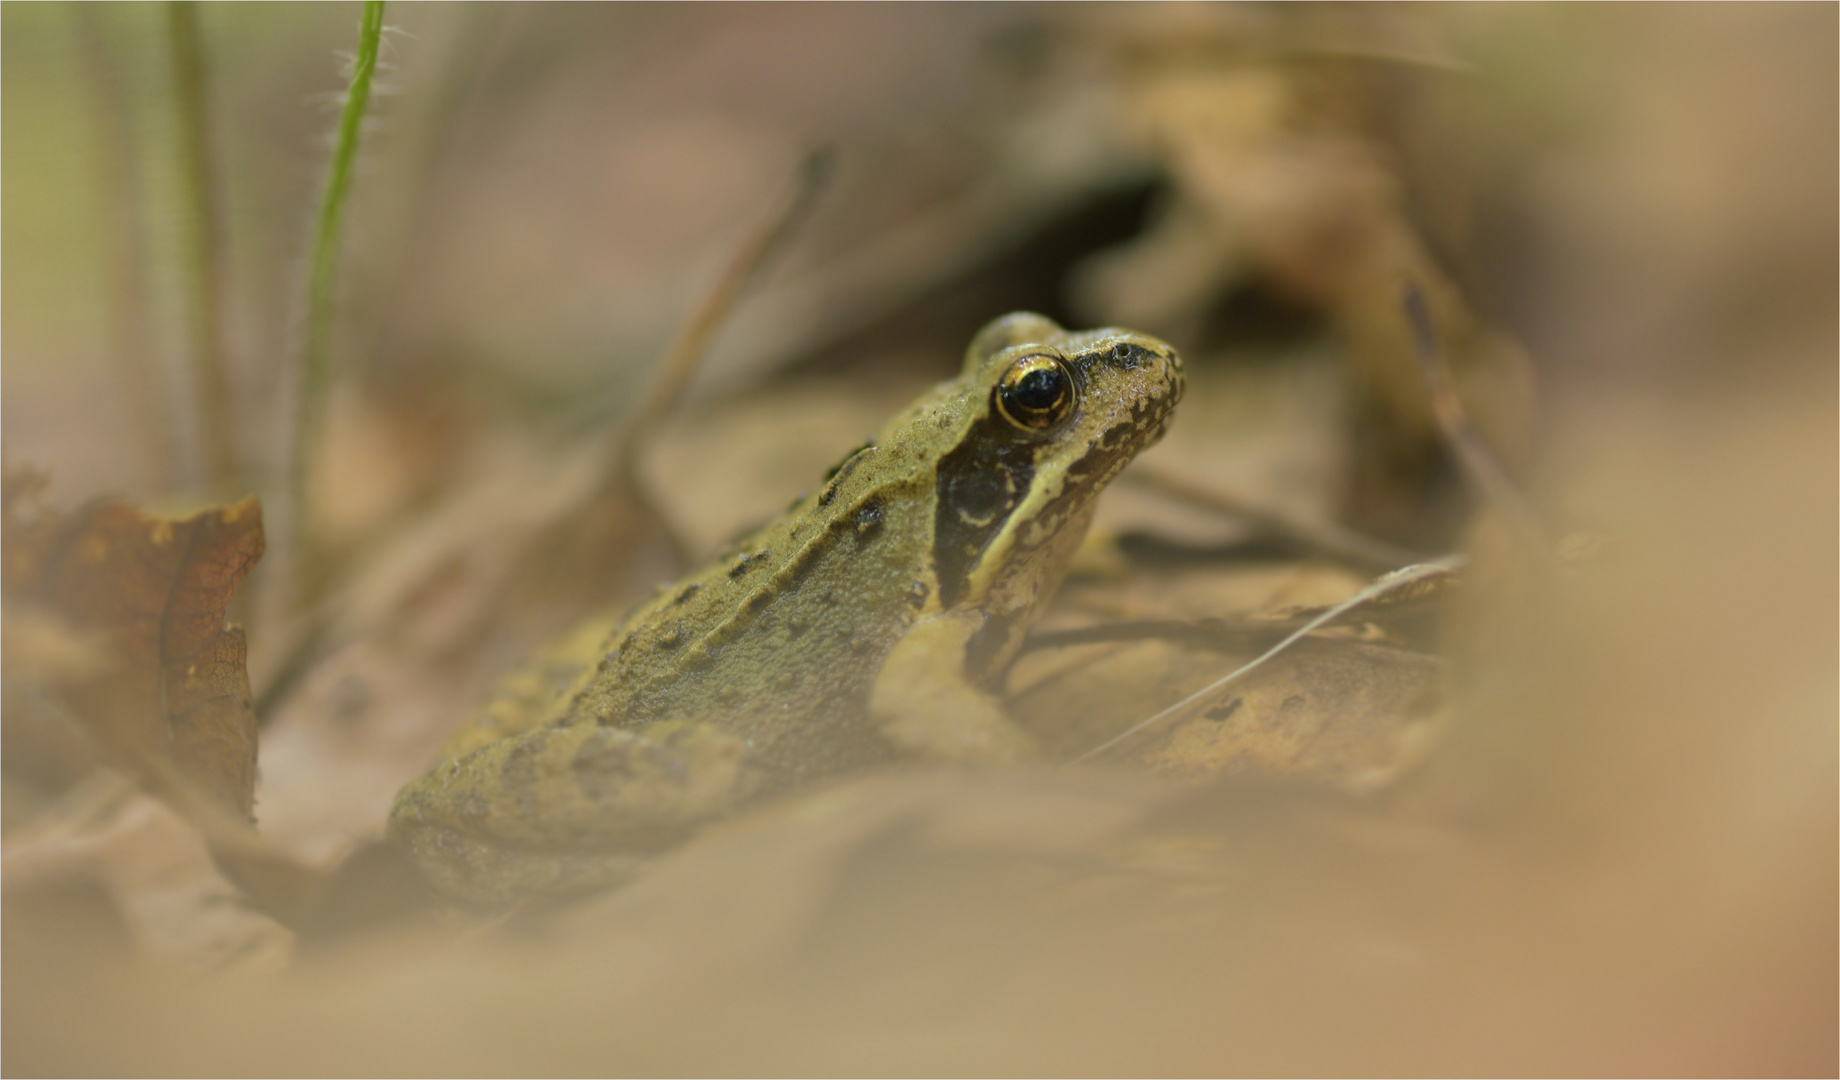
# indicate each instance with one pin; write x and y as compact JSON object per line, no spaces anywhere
{"x":980,"y":484}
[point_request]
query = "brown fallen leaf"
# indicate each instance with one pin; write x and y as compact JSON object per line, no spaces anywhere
{"x":1345,"y":704}
{"x":150,"y":594}
{"x":125,"y":632}
{"x":1351,"y":713}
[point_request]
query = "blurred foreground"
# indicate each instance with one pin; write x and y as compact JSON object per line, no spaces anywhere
{"x":1605,"y":842}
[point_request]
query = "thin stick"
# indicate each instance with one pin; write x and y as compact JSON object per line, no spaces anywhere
{"x":1322,"y":536}
{"x":1479,"y":464}
{"x":680,"y":361}
{"x":321,"y":277}
{"x":202,"y":195}
{"x":1394,"y":580}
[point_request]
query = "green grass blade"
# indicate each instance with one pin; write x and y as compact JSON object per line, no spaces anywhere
{"x":322,"y":273}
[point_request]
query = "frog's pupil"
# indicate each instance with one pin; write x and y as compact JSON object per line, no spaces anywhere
{"x":1037,"y":390}
{"x":1036,"y":393}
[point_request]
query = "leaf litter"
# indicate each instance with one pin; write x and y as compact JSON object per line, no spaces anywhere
{"x":1373,"y":816}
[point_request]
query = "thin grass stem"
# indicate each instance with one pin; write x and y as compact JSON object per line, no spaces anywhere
{"x":204,"y":257}
{"x":322,"y":274}
{"x":137,"y":371}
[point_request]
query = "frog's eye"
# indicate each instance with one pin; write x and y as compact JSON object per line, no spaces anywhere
{"x":1036,"y":392}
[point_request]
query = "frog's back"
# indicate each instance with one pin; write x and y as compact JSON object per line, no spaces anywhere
{"x":778,"y":641}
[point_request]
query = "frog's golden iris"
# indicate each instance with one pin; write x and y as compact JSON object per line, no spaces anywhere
{"x":1037,"y":392}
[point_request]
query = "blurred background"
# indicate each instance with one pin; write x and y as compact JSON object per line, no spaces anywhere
{"x":1614,"y":849}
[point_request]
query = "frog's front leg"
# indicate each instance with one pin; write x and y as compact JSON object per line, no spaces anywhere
{"x":924,"y":703}
{"x":565,"y":809}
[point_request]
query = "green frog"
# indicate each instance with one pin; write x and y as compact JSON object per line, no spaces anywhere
{"x":870,"y":624}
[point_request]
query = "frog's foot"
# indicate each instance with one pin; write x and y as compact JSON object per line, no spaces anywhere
{"x":923,"y":703}
{"x":565,"y":809}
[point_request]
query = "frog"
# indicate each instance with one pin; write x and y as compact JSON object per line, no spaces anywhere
{"x":870,"y":625}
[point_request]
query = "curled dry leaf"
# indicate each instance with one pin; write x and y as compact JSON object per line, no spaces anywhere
{"x":168,"y":685}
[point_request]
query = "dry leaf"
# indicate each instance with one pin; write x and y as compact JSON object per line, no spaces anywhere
{"x":1349,"y":712}
{"x":1346,"y":704}
{"x":151,"y":591}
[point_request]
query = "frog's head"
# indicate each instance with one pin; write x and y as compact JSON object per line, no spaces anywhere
{"x":1051,"y":418}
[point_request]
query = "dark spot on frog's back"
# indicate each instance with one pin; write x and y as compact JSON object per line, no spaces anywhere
{"x":848,"y":463}
{"x":745,"y":562}
{"x":685,"y":594}
{"x":841,"y":471}
{"x":869,"y":519}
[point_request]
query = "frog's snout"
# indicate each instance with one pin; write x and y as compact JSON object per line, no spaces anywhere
{"x":1174,"y":382}
{"x":1156,"y":374}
